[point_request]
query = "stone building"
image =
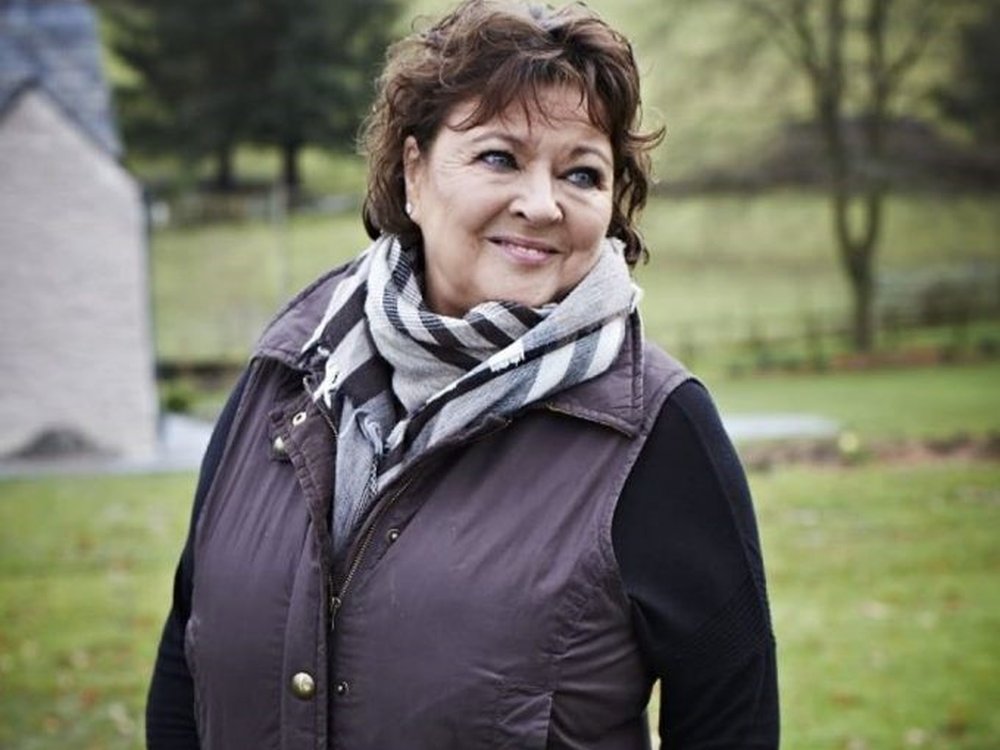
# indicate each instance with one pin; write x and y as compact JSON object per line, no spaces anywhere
{"x":76,"y":354}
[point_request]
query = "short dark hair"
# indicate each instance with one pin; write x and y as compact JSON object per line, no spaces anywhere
{"x":501,"y":53}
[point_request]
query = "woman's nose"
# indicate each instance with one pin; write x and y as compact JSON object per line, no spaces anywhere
{"x":536,"y":199}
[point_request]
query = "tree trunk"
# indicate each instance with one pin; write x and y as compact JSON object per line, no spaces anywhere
{"x":856,"y":245}
{"x":224,"y":179}
{"x":290,"y":175}
{"x":857,"y":254}
{"x":863,"y":317}
{"x":818,"y":37}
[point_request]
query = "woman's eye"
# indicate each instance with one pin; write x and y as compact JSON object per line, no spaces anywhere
{"x":584,"y":177}
{"x":498,"y":159}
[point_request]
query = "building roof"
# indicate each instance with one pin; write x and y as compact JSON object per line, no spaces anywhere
{"x":54,"y":45}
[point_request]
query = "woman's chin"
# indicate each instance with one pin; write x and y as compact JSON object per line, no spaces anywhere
{"x":534,"y":297}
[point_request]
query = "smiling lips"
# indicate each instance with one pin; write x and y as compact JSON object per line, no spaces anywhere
{"x":523,"y":250}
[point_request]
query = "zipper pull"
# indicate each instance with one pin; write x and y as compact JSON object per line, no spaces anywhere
{"x":324,"y":390}
{"x":335,"y":602}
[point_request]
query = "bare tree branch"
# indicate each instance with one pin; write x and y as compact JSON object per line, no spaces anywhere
{"x":878,"y":83}
{"x":788,"y":27}
{"x":926,"y":26}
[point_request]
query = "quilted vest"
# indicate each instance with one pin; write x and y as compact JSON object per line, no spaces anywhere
{"x":480,"y":605}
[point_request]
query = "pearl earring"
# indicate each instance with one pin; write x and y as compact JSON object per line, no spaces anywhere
{"x":408,"y":208}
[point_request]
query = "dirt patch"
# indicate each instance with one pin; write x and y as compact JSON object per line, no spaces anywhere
{"x":848,"y":450}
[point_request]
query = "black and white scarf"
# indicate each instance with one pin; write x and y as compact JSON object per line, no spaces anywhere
{"x":446,"y":372}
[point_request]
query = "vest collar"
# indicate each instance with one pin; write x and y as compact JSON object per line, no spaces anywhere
{"x":614,"y":398}
{"x":284,"y":337}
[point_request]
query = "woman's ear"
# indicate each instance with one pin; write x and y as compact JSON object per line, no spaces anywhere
{"x":412,"y":175}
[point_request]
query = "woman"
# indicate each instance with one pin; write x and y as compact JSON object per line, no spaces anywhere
{"x":456,"y":501}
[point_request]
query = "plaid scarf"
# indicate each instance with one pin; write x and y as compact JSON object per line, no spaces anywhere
{"x":400,"y":379}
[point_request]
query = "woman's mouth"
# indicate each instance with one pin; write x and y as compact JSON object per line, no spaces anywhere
{"x":520,"y":250}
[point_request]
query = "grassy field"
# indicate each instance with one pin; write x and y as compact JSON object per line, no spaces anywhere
{"x":884,"y":405}
{"x":722,"y":268}
{"x":85,"y":570}
{"x":882,"y":583}
{"x":883,"y":587}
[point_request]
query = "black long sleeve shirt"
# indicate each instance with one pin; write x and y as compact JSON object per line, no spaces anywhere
{"x":686,"y":541}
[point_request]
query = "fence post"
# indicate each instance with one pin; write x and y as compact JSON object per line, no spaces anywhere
{"x":279,"y":222}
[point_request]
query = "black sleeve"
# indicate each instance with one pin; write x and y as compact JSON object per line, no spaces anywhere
{"x":170,"y":722}
{"x":686,"y":541}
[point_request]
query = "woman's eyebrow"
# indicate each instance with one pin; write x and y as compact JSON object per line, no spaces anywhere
{"x":584,"y":150}
{"x":502,"y":135}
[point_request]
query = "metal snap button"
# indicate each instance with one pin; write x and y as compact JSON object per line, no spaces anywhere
{"x":278,"y":446}
{"x":392,"y":535}
{"x":298,"y":419}
{"x":303,"y":686}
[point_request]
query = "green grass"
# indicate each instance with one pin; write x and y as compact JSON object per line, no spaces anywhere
{"x":323,"y":171}
{"x":882,"y":584}
{"x":890,"y":404}
{"x":215,"y":286}
{"x":721,"y":267}
{"x":724,"y":267}
{"x":85,"y":573}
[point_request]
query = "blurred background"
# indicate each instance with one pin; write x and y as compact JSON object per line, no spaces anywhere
{"x":824,"y":252}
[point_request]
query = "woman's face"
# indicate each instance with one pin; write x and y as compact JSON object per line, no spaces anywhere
{"x":513,"y":209}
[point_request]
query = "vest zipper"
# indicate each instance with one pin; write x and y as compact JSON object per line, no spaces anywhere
{"x":337,"y":595}
{"x":334,"y":603}
{"x":337,"y":598}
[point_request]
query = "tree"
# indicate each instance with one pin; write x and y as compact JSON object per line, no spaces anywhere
{"x":320,"y":78}
{"x":194,"y":93}
{"x":211,"y":76}
{"x":973,"y":98}
{"x":854,"y":57}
